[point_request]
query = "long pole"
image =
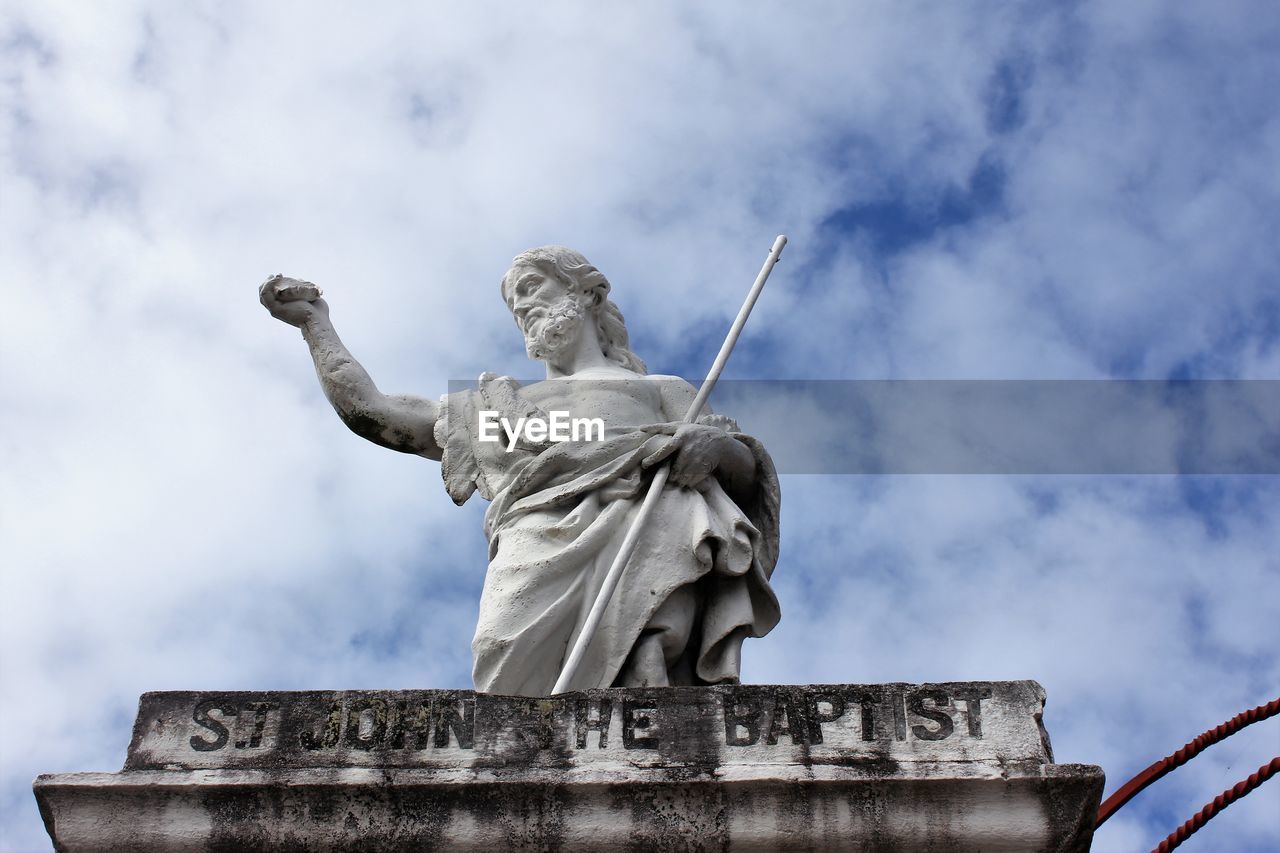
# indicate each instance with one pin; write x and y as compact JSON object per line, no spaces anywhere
{"x":660,"y":480}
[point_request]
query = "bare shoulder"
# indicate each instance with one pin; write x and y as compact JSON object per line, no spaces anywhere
{"x":677,"y":395}
{"x":673,"y":384}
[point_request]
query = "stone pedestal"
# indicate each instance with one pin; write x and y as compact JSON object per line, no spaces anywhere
{"x":961,"y":766}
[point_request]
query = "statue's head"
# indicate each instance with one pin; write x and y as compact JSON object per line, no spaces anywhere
{"x":552,"y":291}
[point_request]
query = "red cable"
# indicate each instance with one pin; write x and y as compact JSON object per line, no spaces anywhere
{"x":1131,"y":788}
{"x":1219,"y":803}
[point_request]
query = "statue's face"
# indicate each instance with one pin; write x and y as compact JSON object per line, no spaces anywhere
{"x":547,"y":310}
{"x":533,"y":295}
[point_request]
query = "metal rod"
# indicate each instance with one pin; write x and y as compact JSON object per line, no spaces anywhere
{"x":660,"y":480}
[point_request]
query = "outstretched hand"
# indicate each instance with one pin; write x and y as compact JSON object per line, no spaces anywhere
{"x":292,"y":300}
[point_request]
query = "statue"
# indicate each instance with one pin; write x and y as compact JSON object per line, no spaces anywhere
{"x":561,"y":501}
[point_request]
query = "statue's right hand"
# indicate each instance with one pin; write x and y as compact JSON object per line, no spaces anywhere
{"x":292,"y":300}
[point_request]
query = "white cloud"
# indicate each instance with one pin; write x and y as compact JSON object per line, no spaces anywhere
{"x":180,"y":509}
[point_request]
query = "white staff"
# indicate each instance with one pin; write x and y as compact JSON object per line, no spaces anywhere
{"x":660,"y":479}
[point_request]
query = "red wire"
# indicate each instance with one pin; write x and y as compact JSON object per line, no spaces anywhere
{"x":1131,"y":788}
{"x":1219,"y":803}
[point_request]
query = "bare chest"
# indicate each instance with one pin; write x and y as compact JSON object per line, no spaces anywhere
{"x":618,"y":402}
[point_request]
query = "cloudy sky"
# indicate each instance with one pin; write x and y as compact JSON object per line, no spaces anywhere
{"x":972,"y":191}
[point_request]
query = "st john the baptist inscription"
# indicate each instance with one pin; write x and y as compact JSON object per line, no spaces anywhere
{"x":450,"y":728}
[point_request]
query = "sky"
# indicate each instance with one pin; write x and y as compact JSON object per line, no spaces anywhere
{"x":994,"y":191}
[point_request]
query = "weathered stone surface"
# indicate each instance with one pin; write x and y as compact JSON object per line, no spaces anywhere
{"x":850,"y":725}
{"x":962,"y":766}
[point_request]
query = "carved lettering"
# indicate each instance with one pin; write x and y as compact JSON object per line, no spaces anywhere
{"x":972,"y":698}
{"x":448,"y":718}
{"x":785,"y":721}
{"x":366,"y":724}
{"x":742,"y":713}
{"x":939,"y":699}
{"x":260,"y":711}
{"x":201,"y":718}
{"x":537,"y":723}
{"x":330,"y":729}
{"x":817,"y":715}
{"x":396,"y":714}
{"x":415,"y":721}
{"x":405,"y":729}
{"x":638,"y":725}
{"x":585,"y":722}
{"x":868,"y":703}
{"x":895,"y":699}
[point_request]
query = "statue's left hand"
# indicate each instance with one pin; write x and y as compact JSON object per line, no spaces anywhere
{"x":699,"y":451}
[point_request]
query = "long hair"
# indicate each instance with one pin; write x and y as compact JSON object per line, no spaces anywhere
{"x":574,"y":270}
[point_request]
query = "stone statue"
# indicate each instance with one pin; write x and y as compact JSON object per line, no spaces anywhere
{"x":560,"y":504}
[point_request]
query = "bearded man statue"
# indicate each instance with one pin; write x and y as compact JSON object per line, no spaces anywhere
{"x":697,"y":584}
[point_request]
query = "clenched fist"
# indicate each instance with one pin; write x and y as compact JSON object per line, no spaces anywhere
{"x":292,"y":300}
{"x":699,"y":452}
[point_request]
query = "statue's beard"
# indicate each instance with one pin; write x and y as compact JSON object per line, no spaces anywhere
{"x":557,"y":332}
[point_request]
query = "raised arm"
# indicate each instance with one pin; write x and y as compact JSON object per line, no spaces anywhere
{"x":401,"y":422}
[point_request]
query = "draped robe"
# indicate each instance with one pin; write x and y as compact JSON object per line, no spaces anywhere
{"x":557,"y":516}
